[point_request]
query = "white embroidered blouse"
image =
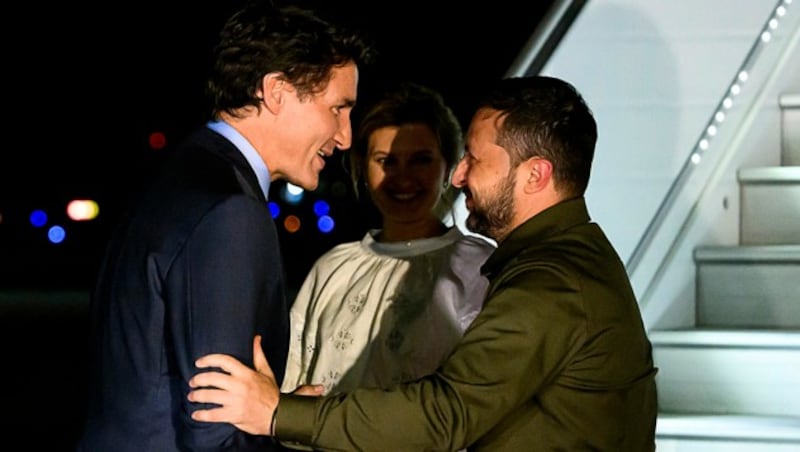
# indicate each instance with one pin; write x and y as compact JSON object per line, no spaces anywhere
{"x":370,"y":314}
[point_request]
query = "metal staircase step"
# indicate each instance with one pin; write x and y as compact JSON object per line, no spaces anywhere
{"x":770,"y":205}
{"x":708,"y":371}
{"x":748,"y":286}
{"x":729,"y":433}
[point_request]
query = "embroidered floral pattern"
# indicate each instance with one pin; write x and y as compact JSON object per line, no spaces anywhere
{"x":342,"y":339}
{"x":356,"y":303}
{"x":381,"y":318}
{"x":330,"y":378}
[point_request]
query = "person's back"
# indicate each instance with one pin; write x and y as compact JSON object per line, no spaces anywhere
{"x":195,"y":265}
{"x":137,"y":394}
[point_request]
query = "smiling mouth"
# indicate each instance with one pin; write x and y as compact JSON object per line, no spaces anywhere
{"x":321,"y":154}
{"x":403,"y":197}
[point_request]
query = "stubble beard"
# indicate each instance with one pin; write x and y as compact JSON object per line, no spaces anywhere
{"x":491,"y":214}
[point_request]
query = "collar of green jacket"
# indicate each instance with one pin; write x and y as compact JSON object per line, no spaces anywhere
{"x":553,"y":220}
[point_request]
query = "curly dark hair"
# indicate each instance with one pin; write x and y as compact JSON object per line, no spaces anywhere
{"x":263,"y":38}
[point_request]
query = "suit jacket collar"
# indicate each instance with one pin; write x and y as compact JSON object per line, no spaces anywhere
{"x":216,"y":143}
{"x":247,"y":150}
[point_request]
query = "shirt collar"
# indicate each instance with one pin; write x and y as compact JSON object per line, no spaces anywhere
{"x":247,"y":150}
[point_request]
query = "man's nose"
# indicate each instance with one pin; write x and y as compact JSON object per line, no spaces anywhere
{"x":344,"y":136}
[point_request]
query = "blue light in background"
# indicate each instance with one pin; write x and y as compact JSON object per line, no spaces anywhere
{"x":325,"y":224}
{"x":321,"y":208}
{"x":38,"y":218}
{"x":274,"y":209}
{"x":56,"y":234}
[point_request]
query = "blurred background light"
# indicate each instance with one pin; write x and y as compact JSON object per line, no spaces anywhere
{"x":325,"y":224}
{"x":292,"y":193}
{"x":38,"y":218}
{"x":321,"y":208}
{"x":157,"y":140}
{"x":291,"y":223}
{"x":56,"y":234}
{"x":82,"y":210}
{"x":274,"y":209}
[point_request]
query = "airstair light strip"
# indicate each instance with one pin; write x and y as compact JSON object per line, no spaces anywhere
{"x":711,"y":129}
{"x":735,"y":87}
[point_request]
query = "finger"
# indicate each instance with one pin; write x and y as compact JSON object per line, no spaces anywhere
{"x":260,"y":361}
{"x":208,"y":396}
{"x":213,"y":378}
{"x":210,"y":415}
{"x":309,"y":390}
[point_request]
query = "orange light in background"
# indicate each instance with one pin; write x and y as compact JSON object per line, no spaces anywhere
{"x":292,"y":223}
{"x":157,"y":140}
{"x":82,"y":210}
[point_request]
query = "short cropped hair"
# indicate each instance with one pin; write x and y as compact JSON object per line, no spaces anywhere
{"x":546,"y":117}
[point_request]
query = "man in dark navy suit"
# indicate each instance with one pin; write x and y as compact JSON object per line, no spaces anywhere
{"x":195,"y":266}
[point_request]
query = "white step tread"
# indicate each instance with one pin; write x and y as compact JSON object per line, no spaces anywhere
{"x":728,"y":338}
{"x":728,"y":427}
{"x":789,"y":100}
{"x":747,"y":253}
{"x":769,"y":174}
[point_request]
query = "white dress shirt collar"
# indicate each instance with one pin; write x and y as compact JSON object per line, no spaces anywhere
{"x":247,"y":150}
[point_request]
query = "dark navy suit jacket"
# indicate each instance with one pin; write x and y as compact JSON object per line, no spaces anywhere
{"x":194,"y":268}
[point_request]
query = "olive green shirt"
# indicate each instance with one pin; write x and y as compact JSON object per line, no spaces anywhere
{"x":558,"y":359}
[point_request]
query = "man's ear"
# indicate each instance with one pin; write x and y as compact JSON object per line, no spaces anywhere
{"x":538,"y":174}
{"x":273,"y":90}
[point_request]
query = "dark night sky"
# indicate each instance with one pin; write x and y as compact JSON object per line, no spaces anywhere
{"x":85,"y":94}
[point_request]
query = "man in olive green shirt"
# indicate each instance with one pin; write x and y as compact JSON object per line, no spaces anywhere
{"x":558,"y":359}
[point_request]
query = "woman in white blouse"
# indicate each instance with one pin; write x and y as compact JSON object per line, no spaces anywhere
{"x":392,"y":306}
